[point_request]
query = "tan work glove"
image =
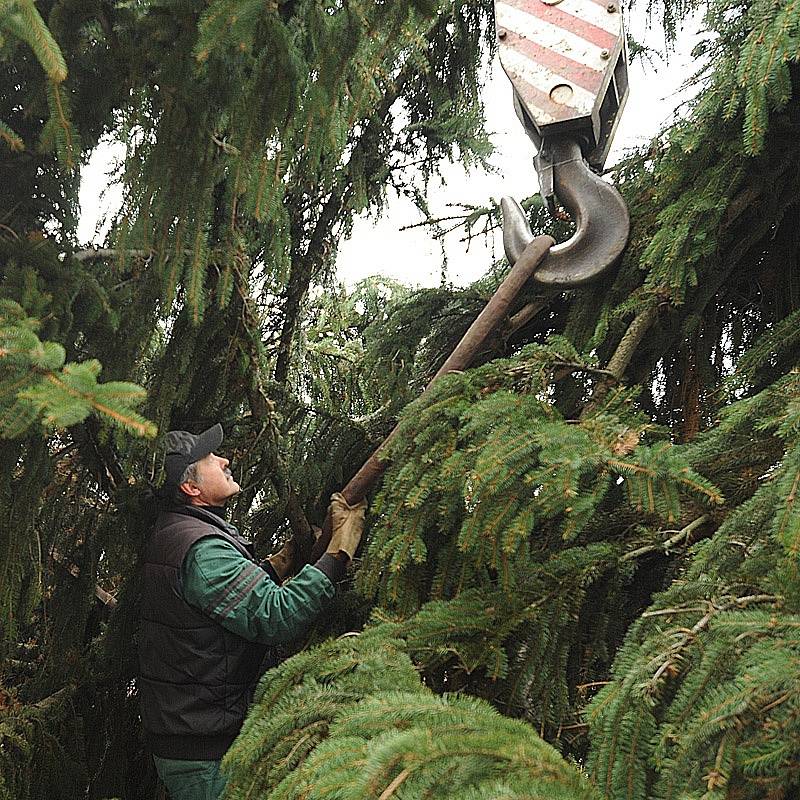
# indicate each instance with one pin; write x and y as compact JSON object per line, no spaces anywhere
{"x":347,"y":525}
{"x":283,"y":561}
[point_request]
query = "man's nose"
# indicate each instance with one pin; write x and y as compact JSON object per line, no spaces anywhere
{"x":225,"y":462}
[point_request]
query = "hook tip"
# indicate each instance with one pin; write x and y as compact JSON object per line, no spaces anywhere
{"x":516,"y":229}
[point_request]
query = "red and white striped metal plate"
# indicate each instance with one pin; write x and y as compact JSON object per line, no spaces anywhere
{"x":559,"y":54}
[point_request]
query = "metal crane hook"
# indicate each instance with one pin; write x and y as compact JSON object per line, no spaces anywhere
{"x":600,"y":214}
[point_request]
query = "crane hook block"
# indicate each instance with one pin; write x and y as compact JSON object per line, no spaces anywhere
{"x":566,"y":61}
{"x":567,"y":64}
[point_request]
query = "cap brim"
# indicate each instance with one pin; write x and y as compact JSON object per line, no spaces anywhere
{"x":207,"y":442}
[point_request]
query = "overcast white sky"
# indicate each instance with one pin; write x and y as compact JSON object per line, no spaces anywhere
{"x":411,"y":256}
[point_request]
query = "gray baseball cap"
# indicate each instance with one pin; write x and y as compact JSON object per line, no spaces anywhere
{"x":184,"y":448}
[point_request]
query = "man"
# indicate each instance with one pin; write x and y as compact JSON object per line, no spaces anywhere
{"x":209,"y":613}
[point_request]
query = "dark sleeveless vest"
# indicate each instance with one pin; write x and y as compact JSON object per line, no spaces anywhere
{"x":196,"y":679}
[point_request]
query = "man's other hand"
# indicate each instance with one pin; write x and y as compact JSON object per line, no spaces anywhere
{"x":347,"y":525}
{"x":283,"y":561}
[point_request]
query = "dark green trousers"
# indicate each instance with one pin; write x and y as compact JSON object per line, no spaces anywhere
{"x":190,"y":780}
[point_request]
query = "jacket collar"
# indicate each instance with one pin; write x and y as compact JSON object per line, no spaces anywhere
{"x":198,"y":512}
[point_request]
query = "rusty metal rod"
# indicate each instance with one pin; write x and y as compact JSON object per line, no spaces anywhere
{"x":470,"y":344}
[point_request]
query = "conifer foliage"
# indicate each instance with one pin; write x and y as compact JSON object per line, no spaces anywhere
{"x":704,"y":695}
{"x":254,"y":133}
{"x":580,"y":573}
{"x":21,"y":22}
{"x":38,"y":386}
{"x":351,"y":719}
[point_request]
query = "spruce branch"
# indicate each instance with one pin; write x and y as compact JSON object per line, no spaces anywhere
{"x":354,"y":712}
{"x":100,"y":253}
{"x":67,"y":148}
{"x":263,"y":411}
{"x":621,"y":358}
{"x":60,"y":394}
{"x":41,"y":41}
{"x":127,"y":420}
{"x":304,"y":267}
{"x":106,"y":598}
{"x":674,"y":660}
{"x":523,"y":317}
{"x":682,"y":536}
{"x":636,"y":331}
{"x":13,"y":140}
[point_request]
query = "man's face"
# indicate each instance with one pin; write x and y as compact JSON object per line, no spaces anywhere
{"x":214,"y":484}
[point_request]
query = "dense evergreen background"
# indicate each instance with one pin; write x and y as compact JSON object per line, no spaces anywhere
{"x":580,"y":577}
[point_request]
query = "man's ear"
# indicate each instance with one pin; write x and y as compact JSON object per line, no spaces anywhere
{"x":190,"y":489}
